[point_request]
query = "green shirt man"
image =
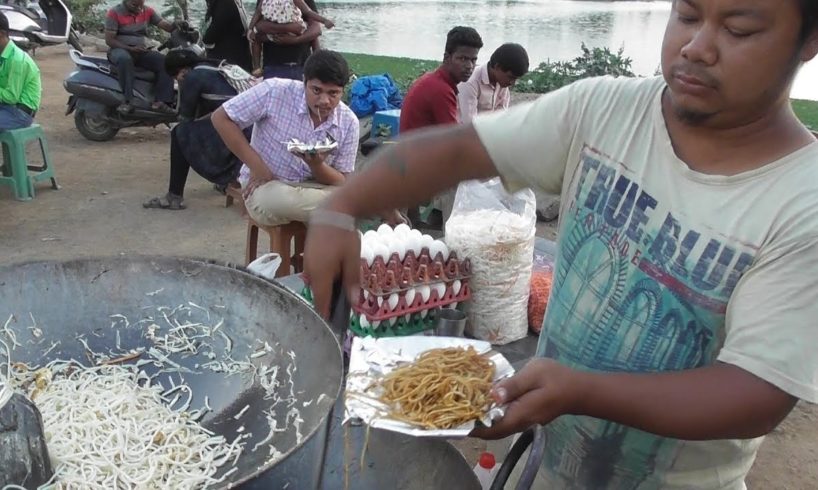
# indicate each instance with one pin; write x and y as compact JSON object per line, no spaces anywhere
{"x":20,"y":85}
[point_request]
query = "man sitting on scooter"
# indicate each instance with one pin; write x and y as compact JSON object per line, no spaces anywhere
{"x":126,"y":30}
{"x":20,"y":86}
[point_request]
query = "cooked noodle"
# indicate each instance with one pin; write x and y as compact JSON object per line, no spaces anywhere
{"x":442,"y":389}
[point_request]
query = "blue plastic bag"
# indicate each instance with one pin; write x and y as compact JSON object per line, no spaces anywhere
{"x":374,"y":93}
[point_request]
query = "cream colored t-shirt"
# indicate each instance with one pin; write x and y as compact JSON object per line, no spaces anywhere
{"x":661,"y":268}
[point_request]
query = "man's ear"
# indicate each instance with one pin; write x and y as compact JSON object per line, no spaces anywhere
{"x":810,"y":48}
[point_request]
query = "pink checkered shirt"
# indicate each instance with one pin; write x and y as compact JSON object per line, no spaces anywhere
{"x":278,"y":108}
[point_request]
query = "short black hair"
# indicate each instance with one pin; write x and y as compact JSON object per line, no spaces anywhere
{"x":809,"y":16}
{"x":462,"y":36}
{"x":510,"y":57}
{"x":4,"y":22}
{"x":328,"y":67}
{"x":178,"y":59}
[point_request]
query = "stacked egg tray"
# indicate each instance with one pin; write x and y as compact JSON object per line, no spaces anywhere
{"x":397,"y":296}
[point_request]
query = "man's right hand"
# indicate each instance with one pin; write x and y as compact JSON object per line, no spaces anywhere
{"x":255,"y":182}
{"x":138,"y":49}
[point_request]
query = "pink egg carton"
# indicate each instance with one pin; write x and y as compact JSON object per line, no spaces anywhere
{"x":368,"y":304}
{"x":393,"y":275}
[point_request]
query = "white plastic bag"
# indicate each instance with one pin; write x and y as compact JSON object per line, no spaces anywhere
{"x":266,"y":266}
{"x":495,"y":230}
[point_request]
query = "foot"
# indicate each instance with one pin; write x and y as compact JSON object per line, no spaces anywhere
{"x":258,"y":72}
{"x":168,"y":201}
{"x":163,"y":108}
{"x":125,"y":108}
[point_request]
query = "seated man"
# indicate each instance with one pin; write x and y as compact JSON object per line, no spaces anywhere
{"x":488,"y":87}
{"x":280,"y":186}
{"x":20,"y":86}
{"x":126,"y":30}
{"x":432,"y":99}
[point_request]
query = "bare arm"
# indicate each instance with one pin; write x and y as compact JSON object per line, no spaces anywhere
{"x":323,"y":173}
{"x":311,"y":14}
{"x":234,"y":139}
{"x":310,"y":35}
{"x":166,"y":26}
{"x":715,"y":402}
{"x":267,"y":27}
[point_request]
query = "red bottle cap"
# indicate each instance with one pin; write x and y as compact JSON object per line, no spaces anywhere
{"x":487,"y":461}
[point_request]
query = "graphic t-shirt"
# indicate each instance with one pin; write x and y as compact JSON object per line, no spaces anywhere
{"x":661,"y":268}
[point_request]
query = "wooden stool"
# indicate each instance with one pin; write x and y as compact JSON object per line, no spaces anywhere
{"x":281,"y":238}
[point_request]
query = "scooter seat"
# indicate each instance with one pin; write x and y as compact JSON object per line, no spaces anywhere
{"x":107,"y":67}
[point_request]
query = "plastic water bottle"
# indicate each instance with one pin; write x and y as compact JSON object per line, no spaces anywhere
{"x":485,"y":469}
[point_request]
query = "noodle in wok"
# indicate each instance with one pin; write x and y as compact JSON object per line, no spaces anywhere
{"x":442,"y":389}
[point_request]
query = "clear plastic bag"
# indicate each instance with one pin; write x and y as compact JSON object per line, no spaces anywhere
{"x":495,"y":230}
{"x":266,"y":266}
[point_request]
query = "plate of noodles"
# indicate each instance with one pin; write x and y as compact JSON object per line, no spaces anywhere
{"x":423,"y":386}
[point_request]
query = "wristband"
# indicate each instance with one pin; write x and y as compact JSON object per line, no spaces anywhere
{"x":334,"y":219}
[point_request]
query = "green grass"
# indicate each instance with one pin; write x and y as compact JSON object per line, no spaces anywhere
{"x":405,"y":70}
{"x":807,"y":111}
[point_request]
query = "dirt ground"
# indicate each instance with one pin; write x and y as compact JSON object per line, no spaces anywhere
{"x":98,"y":212}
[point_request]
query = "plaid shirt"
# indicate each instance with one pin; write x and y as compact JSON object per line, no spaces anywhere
{"x":278,"y":108}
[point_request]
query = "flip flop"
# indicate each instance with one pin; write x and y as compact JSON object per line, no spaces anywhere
{"x":164,"y":203}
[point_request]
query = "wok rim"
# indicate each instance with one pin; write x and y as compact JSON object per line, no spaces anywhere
{"x":229,"y":266}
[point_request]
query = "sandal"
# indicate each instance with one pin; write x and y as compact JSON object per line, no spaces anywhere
{"x":173,"y":203}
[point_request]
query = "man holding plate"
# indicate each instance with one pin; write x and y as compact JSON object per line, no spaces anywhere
{"x":281,"y":181}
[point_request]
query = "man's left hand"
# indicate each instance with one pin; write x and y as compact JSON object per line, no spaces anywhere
{"x":542,"y":391}
{"x":313,"y":159}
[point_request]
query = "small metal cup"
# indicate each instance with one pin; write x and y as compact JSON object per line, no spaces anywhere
{"x":450,"y":323}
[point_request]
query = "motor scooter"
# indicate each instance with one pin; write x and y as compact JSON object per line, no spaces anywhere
{"x":40,"y":23}
{"x":96,"y":94}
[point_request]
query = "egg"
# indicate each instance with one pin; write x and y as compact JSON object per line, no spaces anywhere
{"x":402,"y":229}
{"x":392,"y":301}
{"x":380,"y":250}
{"x":414,"y":241}
{"x":397,"y":246}
{"x":437,"y":247}
{"x":385,"y":230}
{"x":376,"y":324}
{"x":453,"y":306}
{"x":370,"y":236}
{"x":364,"y":322}
{"x":456,"y":285}
{"x":424,"y":292}
{"x":440,"y":289}
{"x":367,"y":253}
{"x":380,"y":301}
{"x":426,"y":241}
{"x":410,"y":297}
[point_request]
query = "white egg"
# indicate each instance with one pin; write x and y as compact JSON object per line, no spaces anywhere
{"x":363,"y":322}
{"x":456,"y":285}
{"x":414,"y":242}
{"x":453,"y":306}
{"x":436,"y":248}
{"x":367,"y":253}
{"x":376,"y":324}
{"x":370,"y":236}
{"x":380,"y":250}
{"x":385,"y":230}
{"x":392,"y":301}
{"x":444,"y":250}
{"x":398,"y":246}
{"x":380,"y":301}
{"x":366,"y":295}
{"x":426,"y":241}
{"x":440,"y":288}
{"x":402,"y":229}
{"x":423,"y":313}
{"x":424,"y":292}
{"x":410,"y":297}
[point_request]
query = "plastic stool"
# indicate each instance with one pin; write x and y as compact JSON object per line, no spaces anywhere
{"x":281,"y":238}
{"x":16,"y":168}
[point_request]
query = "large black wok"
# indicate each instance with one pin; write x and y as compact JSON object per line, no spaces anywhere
{"x":75,"y":299}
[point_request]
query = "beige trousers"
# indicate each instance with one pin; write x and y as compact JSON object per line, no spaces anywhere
{"x":278,"y":203}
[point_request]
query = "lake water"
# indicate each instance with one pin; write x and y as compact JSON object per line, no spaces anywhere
{"x":549,"y":29}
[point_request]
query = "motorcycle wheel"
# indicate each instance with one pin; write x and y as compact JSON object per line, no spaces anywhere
{"x":94,"y":128}
{"x":74,"y":40}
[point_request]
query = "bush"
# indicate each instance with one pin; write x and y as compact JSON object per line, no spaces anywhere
{"x":593,"y":62}
{"x":89,"y":15}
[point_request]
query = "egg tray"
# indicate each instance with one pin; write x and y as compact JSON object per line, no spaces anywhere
{"x":385,"y":277}
{"x":368,"y":306}
{"x":401,"y":328}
